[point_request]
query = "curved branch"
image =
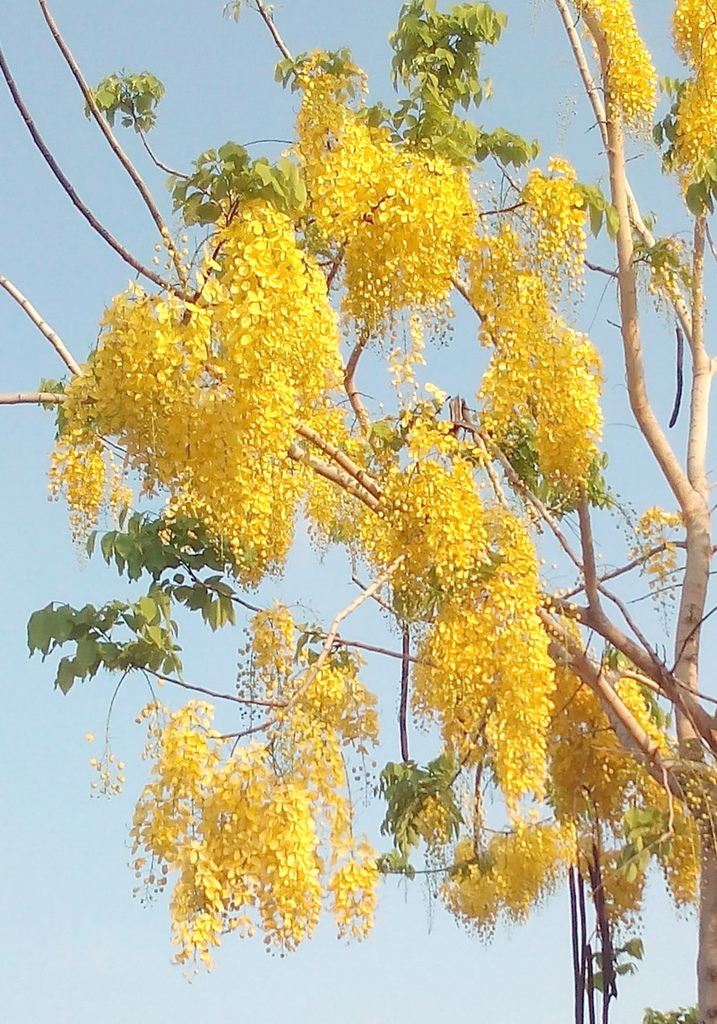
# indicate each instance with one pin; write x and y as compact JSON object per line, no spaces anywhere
{"x":114,"y":144}
{"x":350,"y":384}
{"x":52,"y":336}
{"x":49,"y":159}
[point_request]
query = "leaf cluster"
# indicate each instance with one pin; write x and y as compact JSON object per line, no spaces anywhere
{"x":224,"y":177}
{"x":407,"y":787}
{"x":437,"y":60}
{"x":521,"y":451}
{"x":134,"y":97}
{"x":683,"y":1015}
{"x":97,"y":635}
{"x":623,"y":961}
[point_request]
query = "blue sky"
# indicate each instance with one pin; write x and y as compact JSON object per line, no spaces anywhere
{"x":77,"y":947}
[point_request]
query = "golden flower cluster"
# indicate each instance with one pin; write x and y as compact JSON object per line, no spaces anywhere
{"x":261,"y":835}
{"x":695,"y":34}
{"x":401,"y":218}
{"x":205,"y":397}
{"x":631,"y":74}
{"x":484,"y":668}
{"x":655,"y":545}
{"x":542,"y":371}
{"x":557,"y":214}
{"x":524,"y":868}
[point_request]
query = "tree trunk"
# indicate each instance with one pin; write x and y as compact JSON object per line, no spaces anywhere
{"x":707,"y":956}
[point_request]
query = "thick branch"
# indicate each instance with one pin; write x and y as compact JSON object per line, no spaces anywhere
{"x":335,"y":475}
{"x":627,"y":293}
{"x":52,"y":336}
{"x":49,"y":159}
{"x":113,"y":143}
{"x":341,"y":459}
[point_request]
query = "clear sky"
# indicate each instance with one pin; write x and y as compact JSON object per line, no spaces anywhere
{"x":78,"y":949}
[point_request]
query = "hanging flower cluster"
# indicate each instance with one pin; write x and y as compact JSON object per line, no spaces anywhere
{"x":631,"y":74}
{"x":261,"y":835}
{"x":542,"y":372}
{"x":205,"y":397}
{"x":401,"y":219}
{"x":695,"y":35}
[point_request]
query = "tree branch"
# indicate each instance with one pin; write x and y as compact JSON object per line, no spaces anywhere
{"x":32,"y":398}
{"x":52,"y":336}
{"x":49,"y":159}
{"x":350,"y":385}
{"x":269,"y":22}
{"x":341,"y":459}
{"x":335,"y":475}
{"x":114,"y":144}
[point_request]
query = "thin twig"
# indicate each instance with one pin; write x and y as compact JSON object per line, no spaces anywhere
{"x":43,"y":327}
{"x":49,"y":159}
{"x":269,"y":22}
{"x":316,"y":667}
{"x":155,"y":159}
{"x":600,"y":270}
{"x":217,"y":694}
{"x":114,"y":145}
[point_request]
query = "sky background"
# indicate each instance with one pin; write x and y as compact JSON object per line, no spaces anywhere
{"x":78,"y":949}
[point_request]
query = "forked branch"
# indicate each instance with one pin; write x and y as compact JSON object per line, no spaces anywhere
{"x":64,"y":181}
{"x":114,"y":145}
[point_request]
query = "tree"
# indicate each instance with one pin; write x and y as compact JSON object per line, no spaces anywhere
{"x":551,"y":706}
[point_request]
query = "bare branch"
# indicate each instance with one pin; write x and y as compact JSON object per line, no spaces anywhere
{"x":49,"y":159}
{"x":114,"y":144}
{"x":335,"y":475}
{"x":599,"y":269}
{"x":216,"y":694}
{"x":350,"y":385}
{"x":341,"y":459}
{"x":52,"y":336}
{"x":155,"y":159}
{"x":269,"y":22}
{"x":403,"y":700}
{"x":32,"y":398}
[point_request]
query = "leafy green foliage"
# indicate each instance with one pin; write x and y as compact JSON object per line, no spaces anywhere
{"x":159,"y":549}
{"x":225,"y":177}
{"x":647,"y":833}
{"x":623,"y":961}
{"x":134,"y":97}
{"x":406,"y":788}
{"x":507,"y":147}
{"x":520,"y":450}
{"x":683,"y":1015}
{"x":599,"y":209}
{"x":98,"y":635}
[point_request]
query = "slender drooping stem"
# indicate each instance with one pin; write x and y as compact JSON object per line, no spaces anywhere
{"x":43,"y":327}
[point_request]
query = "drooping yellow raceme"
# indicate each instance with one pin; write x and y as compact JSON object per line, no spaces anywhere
{"x":631,"y":75}
{"x":402,"y":219}
{"x":205,"y":397}
{"x":557,"y":214}
{"x":543,"y":373}
{"x":695,"y":35}
{"x":521,"y":870}
{"x":261,"y":835}
{"x":484,"y":672}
